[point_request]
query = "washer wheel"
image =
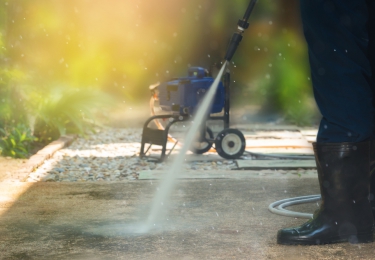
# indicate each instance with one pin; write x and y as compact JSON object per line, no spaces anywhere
{"x":230,"y":143}
{"x":203,"y":145}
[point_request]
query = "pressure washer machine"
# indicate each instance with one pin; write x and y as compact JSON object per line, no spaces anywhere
{"x":179,"y":98}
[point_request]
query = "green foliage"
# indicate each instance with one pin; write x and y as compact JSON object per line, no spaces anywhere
{"x":16,"y":141}
{"x":12,"y":106}
{"x":62,"y":111}
{"x":286,"y":87}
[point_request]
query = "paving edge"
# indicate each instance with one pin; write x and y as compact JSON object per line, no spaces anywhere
{"x":45,"y":153}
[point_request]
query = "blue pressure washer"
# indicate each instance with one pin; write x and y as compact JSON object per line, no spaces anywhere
{"x":180,"y":98}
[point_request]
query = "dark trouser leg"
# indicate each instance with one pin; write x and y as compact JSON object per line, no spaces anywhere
{"x":371,"y":48}
{"x":338,"y":40}
{"x":371,"y":30}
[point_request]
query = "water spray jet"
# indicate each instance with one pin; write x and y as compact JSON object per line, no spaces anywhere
{"x":193,"y":98}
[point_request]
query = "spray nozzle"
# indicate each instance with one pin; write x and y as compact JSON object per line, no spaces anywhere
{"x":237,"y":36}
{"x":234,"y":42}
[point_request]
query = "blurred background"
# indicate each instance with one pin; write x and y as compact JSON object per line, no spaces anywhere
{"x":64,"y":63}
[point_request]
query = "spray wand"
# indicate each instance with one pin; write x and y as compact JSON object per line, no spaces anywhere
{"x":243,"y":24}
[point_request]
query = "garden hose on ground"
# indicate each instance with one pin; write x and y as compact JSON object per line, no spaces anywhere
{"x":293,"y":201}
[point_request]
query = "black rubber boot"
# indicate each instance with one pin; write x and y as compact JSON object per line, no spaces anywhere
{"x":345,"y":211}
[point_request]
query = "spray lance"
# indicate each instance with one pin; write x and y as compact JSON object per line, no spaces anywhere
{"x":243,"y":24}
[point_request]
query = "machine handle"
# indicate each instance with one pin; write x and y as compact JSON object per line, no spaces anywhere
{"x":197,"y":72}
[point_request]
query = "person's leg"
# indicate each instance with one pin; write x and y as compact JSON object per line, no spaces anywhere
{"x":338,"y":42}
{"x":371,"y":55}
{"x":337,"y":39}
{"x":371,"y":47}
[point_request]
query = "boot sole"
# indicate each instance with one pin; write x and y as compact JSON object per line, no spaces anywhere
{"x":352,"y":239}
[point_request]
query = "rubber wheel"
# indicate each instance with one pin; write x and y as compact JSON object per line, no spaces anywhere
{"x":202,"y":145}
{"x":230,"y":143}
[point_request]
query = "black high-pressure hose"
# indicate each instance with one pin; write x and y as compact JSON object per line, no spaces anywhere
{"x":243,"y":24}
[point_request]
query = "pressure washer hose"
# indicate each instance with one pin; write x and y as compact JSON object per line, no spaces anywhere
{"x":281,"y":204}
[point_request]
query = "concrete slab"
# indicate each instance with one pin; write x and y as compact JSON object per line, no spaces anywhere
{"x":275,"y":164}
{"x":207,"y":219}
{"x":233,"y":174}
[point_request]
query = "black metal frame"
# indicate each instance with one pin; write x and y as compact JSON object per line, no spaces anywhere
{"x":160,"y":136}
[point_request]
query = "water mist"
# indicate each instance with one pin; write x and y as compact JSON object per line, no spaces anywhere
{"x":167,"y":184}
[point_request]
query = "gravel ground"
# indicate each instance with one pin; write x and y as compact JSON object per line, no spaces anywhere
{"x":110,"y":154}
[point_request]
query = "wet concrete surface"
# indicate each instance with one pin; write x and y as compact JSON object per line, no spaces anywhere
{"x":204,"y":219}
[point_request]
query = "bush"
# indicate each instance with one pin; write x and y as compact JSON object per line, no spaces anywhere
{"x":16,"y":141}
{"x":65,"y":111}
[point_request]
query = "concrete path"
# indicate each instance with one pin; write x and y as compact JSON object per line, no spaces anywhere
{"x":207,"y":219}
